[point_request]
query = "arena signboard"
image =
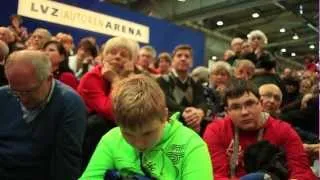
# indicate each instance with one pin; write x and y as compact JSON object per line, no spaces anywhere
{"x":72,"y":16}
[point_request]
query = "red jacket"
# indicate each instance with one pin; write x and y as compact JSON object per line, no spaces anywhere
{"x":69,"y":79}
{"x":96,"y":93}
{"x":219,"y":134}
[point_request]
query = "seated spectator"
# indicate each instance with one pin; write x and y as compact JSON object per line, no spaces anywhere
{"x":43,"y":122}
{"x":287,"y":72}
{"x":245,"y":124}
{"x":82,"y":62}
{"x":293,"y":99}
{"x":201,"y":74}
{"x":20,"y":32}
{"x":305,"y":86}
{"x":4,"y":51}
{"x":147,"y":143}
{"x":271,"y":99}
{"x":38,"y":38}
{"x":7,"y":36}
{"x":183,"y":94}
{"x":118,"y":55}
{"x":146,"y":57}
{"x":220,"y":77}
{"x":59,"y":61}
{"x":67,"y":42}
{"x":164,"y":63}
{"x":243,"y":69}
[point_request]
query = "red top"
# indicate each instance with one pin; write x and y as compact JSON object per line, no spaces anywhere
{"x":69,"y":79}
{"x":219,"y":135}
{"x":311,"y":67}
{"x":96,"y":93}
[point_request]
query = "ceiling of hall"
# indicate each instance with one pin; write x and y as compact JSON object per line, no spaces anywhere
{"x":298,"y":17}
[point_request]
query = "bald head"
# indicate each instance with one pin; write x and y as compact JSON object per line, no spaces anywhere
{"x":271,"y":97}
{"x":5,"y":35}
{"x":36,"y":60}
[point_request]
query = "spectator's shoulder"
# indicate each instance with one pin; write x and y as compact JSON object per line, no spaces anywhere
{"x":68,"y":95}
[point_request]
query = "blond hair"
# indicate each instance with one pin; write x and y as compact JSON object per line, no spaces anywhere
{"x":122,"y":42}
{"x":136,"y":100}
{"x":221,"y":66}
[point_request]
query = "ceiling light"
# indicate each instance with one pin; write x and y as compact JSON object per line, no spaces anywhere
{"x":293,"y":54}
{"x":214,"y":58}
{"x":283,"y":50}
{"x":255,"y":15}
{"x":182,"y":0}
{"x":219,"y":23}
{"x":295,"y":37}
{"x":311,"y":46}
{"x":282,"y":30}
{"x":300,"y":9}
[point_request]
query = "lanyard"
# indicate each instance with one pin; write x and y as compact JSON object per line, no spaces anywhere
{"x":234,"y":156}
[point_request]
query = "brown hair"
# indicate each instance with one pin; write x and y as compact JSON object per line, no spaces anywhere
{"x":136,"y":100}
{"x":182,"y":47}
{"x":166,"y":56}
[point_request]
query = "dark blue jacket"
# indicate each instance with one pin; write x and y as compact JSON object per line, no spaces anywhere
{"x":50,"y":146}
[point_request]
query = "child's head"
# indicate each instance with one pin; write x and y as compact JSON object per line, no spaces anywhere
{"x":140,"y":110}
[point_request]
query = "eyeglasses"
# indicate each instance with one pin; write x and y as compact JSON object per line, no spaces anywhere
{"x":29,"y":92}
{"x":270,"y":96}
{"x":247,"y":105}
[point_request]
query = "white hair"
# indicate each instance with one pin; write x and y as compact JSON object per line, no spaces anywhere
{"x":257,"y":33}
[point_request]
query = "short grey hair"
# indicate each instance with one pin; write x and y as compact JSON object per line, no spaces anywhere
{"x":221,"y":66}
{"x":39,"y":61}
{"x":151,"y":50}
{"x":236,"y":40}
{"x":257,"y":33}
{"x":200,"y":73}
{"x":244,"y":62}
{"x":122,"y":42}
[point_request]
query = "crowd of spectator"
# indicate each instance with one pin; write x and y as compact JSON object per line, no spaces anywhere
{"x":101,"y":111}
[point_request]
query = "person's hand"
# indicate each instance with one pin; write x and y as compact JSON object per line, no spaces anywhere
{"x":312,"y":148}
{"x":221,"y":88}
{"x":193,"y":117}
{"x":87,"y":60}
{"x":108,"y":73}
{"x":127,"y":69}
{"x":305,"y":100}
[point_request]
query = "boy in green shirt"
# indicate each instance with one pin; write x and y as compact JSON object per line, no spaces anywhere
{"x":147,"y":143}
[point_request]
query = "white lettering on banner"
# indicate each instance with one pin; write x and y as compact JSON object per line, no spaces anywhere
{"x":67,"y":15}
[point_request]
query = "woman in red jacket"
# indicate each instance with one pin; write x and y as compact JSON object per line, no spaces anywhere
{"x":59,"y":61}
{"x":118,"y":58}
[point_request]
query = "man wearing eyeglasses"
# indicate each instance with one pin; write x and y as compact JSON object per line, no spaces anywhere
{"x":271,"y":98}
{"x":42,"y":122}
{"x":246,"y":124}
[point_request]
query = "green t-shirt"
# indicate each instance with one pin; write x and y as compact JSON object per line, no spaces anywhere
{"x":181,"y":154}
